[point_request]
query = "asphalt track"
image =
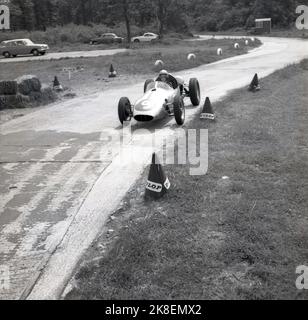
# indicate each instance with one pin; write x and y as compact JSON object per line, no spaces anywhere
{"x":64,"y":55}
{"x":59,"y":183}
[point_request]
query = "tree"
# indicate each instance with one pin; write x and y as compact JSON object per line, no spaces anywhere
{"x":162,"y":8}
{"x":27,"y":19}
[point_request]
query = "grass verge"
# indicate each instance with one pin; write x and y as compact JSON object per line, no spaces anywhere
{"x":214,"y":238}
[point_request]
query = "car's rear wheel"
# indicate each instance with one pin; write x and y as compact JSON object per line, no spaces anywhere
{"x":124,"y":110}
{"x":179,"y":110}
{"x":6,"y":54}
{"x":35,"y":52}
{"x":136,"y":40}
{"x":194,"y":91}
{"x":147,"y":82}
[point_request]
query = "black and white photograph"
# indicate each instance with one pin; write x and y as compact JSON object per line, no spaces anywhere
{"x":154,"y":150}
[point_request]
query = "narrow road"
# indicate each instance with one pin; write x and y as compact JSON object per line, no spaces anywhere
{"x":64,"y":55}
{"x":59,"y":183}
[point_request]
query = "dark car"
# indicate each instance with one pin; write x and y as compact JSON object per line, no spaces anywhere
{"x":107,"y":38}
{"x":13,"y":48}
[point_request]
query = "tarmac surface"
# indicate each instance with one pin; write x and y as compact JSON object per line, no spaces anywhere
{"x":64,"y":55}
{"x":59,"y":182}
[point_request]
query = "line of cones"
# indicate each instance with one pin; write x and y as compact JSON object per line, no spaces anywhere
{"x":208,"y":111}
{"x":158,"y":184}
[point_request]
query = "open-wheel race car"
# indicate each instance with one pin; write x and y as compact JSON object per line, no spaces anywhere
{"x":162,"y":97}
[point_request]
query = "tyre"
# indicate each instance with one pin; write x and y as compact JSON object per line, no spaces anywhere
{"x":136,"y":40}
{"x":179,"y":110}
{"x":147,"y":82}
{"x":35,"y":52}
{"x":194,"y":91}
{"x":6,"y":54}
{"x":124,"y":110}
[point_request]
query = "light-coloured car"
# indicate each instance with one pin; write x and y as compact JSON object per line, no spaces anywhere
{"x":147,"y":37}
{"x":107,"y":38}
{"x":21,"y":47}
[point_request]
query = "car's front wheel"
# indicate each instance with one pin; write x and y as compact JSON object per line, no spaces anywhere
{"x":6,"y":54}
{"x":35,"y":52}
{"x":179,"y":110}
{"x":136,"y":40}
{"x":194,"y":91}
{"x":124,"y":110}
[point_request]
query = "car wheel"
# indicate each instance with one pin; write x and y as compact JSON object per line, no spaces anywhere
{"x":136,"y":40}
{"x":147,"y":82}
{"x":179,"y":110}
{"x":124,"y":110}
{"x":194,"y":91}
{"x":35,"y":52}
{"x":6,"y":55}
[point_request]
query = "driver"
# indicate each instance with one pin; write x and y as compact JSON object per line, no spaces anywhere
{"x":165,"y":76}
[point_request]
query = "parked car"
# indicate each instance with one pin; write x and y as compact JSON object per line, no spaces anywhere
{"x":147,"y":37}
{"x":17,"y":47}
{"x":107,"y":38}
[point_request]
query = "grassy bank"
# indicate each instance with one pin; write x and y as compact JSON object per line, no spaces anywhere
{"x":241,"y":237}
{"x":135,"y":65}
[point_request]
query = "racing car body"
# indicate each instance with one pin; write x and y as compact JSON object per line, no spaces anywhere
{"x":161,"y":99}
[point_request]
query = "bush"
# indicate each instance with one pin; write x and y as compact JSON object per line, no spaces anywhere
{"x":28,"y":84}
{"x":211,"y":25}
{"x":8,"y":87}
{"x":12,"y":101}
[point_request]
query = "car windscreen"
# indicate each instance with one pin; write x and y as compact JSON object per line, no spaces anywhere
{"x":27,"y":42}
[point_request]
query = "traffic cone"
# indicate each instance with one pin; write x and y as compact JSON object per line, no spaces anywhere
{"x":56,"y":84}
{"x":112,"y":72}
{"x":207,"y":111}
{"x":158,"y":184}
{"x":255,"y":86}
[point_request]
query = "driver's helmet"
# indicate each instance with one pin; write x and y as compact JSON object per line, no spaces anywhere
{"x":163,"y":75}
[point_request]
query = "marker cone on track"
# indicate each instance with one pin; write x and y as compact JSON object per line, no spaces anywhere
{"x":56,"y":84}
{"x":207,"y":111}
{"x":112,"y":72}
{"x":158,"y":184}
{"x":255,"y":85}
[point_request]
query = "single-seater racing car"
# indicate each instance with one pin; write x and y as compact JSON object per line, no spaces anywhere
{"x":162,"y":97}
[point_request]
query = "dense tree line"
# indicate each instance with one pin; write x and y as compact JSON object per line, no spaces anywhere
{"x":177,"y":15}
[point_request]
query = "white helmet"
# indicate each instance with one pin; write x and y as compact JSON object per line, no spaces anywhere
{"x":164,"y":72}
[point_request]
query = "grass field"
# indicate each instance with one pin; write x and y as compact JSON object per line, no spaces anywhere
{"x":241,"y":237}
{"x":136,"y":65}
